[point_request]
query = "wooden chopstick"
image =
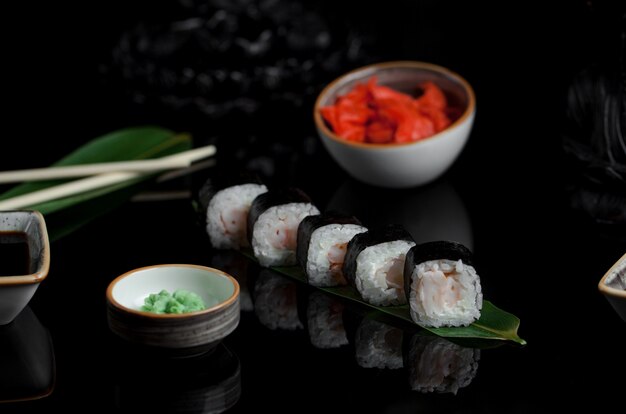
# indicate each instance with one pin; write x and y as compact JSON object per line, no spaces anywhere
{"x":170,"y":162}
{"x":96,"y":181}
{"x":66,"y":190}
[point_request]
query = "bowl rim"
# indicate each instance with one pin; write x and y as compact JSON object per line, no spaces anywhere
{"x":44,"y":268}
{"x":608,"y":290}
{"x":471,"y":106}
{"x":220,"y":305}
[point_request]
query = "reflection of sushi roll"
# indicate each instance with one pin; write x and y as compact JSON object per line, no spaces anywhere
{"x":441,"y":285}
{"x":325,"y":321}
{"x":276,"y":303}
{"x":237,"y":266}
{"x":227,"y":211}
{"x":378,"y":345}
{"x":438,"y":365}
{"x":374,"y":263}
{"x":273,"y":225}
{"x":322,"y":242}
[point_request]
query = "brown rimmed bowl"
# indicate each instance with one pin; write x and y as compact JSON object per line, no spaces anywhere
{"x":613,"y":288}
{"x":193,"y":332}
{"x":17,"y":290}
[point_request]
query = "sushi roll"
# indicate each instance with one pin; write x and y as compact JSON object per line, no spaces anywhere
{"x":322,"y":243}
{"x":374,"y":264}
{"x":273,"y":225}
{"x":325,"y":321}
{"x":438,"y":365}
{"x":441,"y":285}
{"x":378,"y":345}
{"x":227,"y":210}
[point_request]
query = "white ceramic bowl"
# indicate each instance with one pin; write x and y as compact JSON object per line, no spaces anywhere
{"x":400,"y":165}
{"x":17,"y":290}
{"x":610,"y":287}
{"x":202,"y":329}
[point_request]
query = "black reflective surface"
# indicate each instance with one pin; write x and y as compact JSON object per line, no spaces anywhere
{"x":511,"y":197}
{"x":28,"y":365}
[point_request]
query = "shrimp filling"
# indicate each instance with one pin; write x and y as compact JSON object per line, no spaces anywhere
{"x":445,"y":293}
{"x":275,"y":233}
{"x":379,"y":273}
{"x":227,"y":215}
{"x":327,"y":250}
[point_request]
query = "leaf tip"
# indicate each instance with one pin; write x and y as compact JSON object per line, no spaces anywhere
{"x":520,"y":341}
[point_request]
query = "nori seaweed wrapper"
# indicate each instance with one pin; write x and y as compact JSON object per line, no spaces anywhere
{"x":436,"y":250}
{"x":324,"y":321}
{"x":271,"y":199}
{"x":215,"y":184}
{"x":312,"y":223}
{"x":239,"y":267}
{"x":276,"y":301}
{"x":373,"y":237}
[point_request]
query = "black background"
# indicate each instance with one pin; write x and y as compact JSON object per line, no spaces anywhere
{"x":539,"y":258}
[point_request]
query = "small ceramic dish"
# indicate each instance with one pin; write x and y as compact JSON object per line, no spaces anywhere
{"x":193,"y":332}
{"x":406,"y":164}
{"x":17,"y":290}
{"x":613,"y":287}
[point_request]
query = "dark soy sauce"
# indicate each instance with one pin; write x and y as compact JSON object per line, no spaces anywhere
{"x":14,"y":254}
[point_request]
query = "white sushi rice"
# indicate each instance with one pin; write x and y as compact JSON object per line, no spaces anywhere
{"x":438,"y":365}
{"x":327,"y":250}
{"x":227,"y":215}
{"x":275,"y":232}
{"x":378,"y":345}
{"x":325,"y":322}
{"x":445,"y":293}
{"x":379,"y":273}
{"x":276,"y":303}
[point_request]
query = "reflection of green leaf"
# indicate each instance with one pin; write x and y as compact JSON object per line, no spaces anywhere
{"x":494,"y":323}
{"x":125,"y":144}
{"x":66,"y":221}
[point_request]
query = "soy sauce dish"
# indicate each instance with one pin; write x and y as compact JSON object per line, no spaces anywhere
{"x":25,"y":253}
{"x":201,"y":330}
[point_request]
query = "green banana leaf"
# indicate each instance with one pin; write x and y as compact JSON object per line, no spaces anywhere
{"x":67,"y":214}
{"x":494,"y":323}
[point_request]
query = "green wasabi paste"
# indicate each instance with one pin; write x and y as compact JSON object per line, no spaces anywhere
{"x":181,"y":301}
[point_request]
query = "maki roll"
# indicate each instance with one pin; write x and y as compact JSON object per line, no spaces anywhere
{"x":227,"y":210}
{"x":374,"y":263}
{"x":273,"y":225}
{"x":322,"y":243}
{"x":441,"y":284}
{"x":438,"y":365}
